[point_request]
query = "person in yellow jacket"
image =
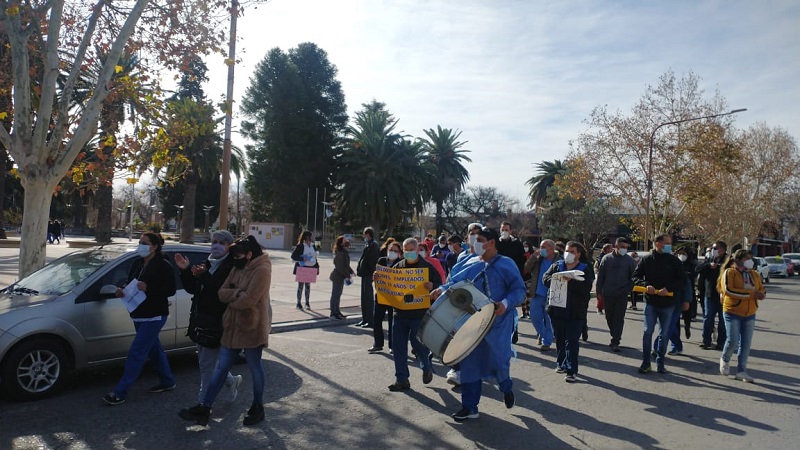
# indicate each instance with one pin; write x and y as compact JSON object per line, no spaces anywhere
{"x":741,"y":289}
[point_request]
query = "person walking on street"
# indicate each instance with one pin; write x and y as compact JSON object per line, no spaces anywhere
{"x":456,"y":246}
{"x":156,"y":278}
{"x":304,"y":255}
{"x":569,"y":321}
{"x":539,"y":317}
{"x":407,"y":322}
{"x":607,"y":248}
{"x":440,"y":252}
{"x":635,"y":296}
{"x":661,"y":273}
{"x":709,"y":273}
{"x":614,"y":285}
{"x":205,"y":317}
{"x":340,"y":274}
{"x":394,"y":254}
{"x":246,"y":325}
{"x":681,"y":305}
{"x":741,"y":290}
{"x":365,"y":269}
{"x":499,"y":279}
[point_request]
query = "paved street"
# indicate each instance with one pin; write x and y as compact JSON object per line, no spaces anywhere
{"x":325,"y":391}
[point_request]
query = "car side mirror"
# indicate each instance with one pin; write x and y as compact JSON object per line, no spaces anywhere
{"x":107,"y":291}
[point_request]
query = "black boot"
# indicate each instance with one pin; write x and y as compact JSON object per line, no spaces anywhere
{"x":199,"y":413}
{"x":254,"y":415}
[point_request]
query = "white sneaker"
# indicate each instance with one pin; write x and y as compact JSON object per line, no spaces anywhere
{"x":454,"y":377}
{"x":233,"y":391}
{"x":724,"y":368}
{"x":743,"y":376}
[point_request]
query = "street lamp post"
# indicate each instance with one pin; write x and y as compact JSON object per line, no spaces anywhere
{"x":178,"y":227}
{"x":650,"y":162}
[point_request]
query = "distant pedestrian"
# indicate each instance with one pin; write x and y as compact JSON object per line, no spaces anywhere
{"x":709,"y":273}
{"x":440,"y":251}
{"x":456,"y":246}
{"x":305,"y":255}
{"x":614,"y":285}
{"x":340,"y":274}
{"x":636,"y":297}
{"x":50,"y":231}
{"x":741,"y":290}
{"x":538,"y":289}
{"x":607,"y":248}
{"x":365,"y":270}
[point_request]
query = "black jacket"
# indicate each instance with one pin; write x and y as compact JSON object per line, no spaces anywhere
{"x":368,"y":260}
{"x":709,"y":276}
{"x":205,"y":288}
{"x":433,"y":277}
{"x":341,"y":266}
{"x":578,"y":292}
{"x":159,"y":276}
{"x":513,"y":248}
{"x":297,"y":256}
{"x":660,"y":270}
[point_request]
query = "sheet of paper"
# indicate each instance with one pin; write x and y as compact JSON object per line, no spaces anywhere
{"x":132,"y":296}
{"x":557,"y":295}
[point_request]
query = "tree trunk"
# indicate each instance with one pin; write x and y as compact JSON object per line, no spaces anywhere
{"x":38,"y":197}
{"x":187,"y":221}
{"x":102,"y":229}
{"x":3,"y":159}
{"x":439,"y":226}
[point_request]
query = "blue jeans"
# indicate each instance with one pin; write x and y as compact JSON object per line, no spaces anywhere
{"x":145,"y":346}
{"x":403,"y":330}
{"x":227,"y":356}
{"x":663,"y":315}
{"x":540,"y":319}
{"x":713,"y":308}
{"x":674,"y":329}
{"x":568,"y":335}
{"x":740,"y":331}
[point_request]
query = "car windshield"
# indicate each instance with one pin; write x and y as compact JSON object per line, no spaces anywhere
{"x":63,"y":274}
{"x":774,"y":260}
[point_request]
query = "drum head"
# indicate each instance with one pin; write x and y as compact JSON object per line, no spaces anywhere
{"x":469,"y":334}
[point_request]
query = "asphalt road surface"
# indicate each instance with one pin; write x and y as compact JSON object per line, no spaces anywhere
{"x":325,"y":391}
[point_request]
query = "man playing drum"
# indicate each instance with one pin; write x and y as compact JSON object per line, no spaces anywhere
{"x":499,"y":279}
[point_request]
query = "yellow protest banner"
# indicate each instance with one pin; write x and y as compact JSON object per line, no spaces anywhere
{"x":402,"y":288}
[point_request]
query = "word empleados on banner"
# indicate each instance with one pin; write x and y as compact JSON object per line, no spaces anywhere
{"x":402,"y":288}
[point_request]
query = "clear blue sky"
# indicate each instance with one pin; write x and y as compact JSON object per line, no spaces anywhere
{"x":519,"y":78}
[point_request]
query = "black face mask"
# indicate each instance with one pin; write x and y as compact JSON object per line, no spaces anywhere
{"x":239,"y":263}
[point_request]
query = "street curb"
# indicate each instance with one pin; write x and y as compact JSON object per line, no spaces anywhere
{"x":313,"y":323}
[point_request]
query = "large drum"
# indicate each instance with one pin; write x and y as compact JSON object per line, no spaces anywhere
{"x":457,"y":322}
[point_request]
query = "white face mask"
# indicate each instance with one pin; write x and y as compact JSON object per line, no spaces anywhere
{"x":569,"y":258}
{"x":392,"y":255}
{"x":748,"y":264}
{"x":527,"y":249}
{"x":504,"y":235}
{"x":683,"y":258}
{"x":714,"y":253}
{"x":442,"y":244}
{"x":622,"y":251}
{"x":473,"y":238}
{"x":452,"y":250}
{"x":422,"y":253}
{"x":478,"y":247}
{"x":143,"y":250}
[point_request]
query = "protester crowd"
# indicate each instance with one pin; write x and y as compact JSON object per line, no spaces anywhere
{"x":550,"y":285}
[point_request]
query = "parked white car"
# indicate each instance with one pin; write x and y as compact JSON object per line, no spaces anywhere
{"x":762,"y":268}
{"x":795,"y":258}
{"x":777,"y":266}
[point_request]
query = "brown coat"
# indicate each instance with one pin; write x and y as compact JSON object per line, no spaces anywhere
{"x":246,"y":323}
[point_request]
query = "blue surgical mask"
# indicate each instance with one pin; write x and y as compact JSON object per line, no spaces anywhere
{"x":410,"y":256}
{"x":218,"y":250}
{"x":543,"y":252}
{"x":667,"y":248}
{"x":143,"y":250}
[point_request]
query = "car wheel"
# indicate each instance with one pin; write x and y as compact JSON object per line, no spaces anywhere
{"x":34,"y":369}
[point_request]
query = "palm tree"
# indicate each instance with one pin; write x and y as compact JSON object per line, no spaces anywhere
{"x":548,"y":171}
{"x":442,"y":146}
{"x":381,"y":174}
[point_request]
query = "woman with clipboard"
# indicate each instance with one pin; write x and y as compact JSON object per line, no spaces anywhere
{"x":156,"y":278}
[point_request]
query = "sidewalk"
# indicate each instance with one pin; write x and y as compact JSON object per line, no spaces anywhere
{"x":285,"y":317}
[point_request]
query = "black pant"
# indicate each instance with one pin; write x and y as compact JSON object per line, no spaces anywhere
{"x":615,"y":316}
{"x":367,"y":299}
{"x":377,"y":323}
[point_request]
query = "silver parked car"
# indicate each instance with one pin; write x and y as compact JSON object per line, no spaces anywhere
{"x":777,"y":266}
{"x":762,"y":268}
{"x":65,"y":316}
